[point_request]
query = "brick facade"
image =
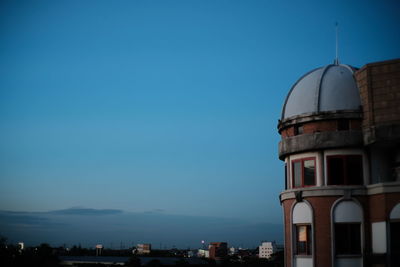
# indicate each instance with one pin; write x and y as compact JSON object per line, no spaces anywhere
{"x":218,"y":250}
{"x":322,"y":228}
{"x":287,"y":205}
{"x":382,"y":204}
{"x":376,"y":208}
{"x":379,"y":126}
{"x":320,"y":126}
{"x":379,"y":85}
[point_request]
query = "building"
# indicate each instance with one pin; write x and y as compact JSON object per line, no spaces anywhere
{"x":267,"y":249}
{"x":21,"y":245}
{"x":143,"y":248}
{"x":203,"y":253}
{"x":99,"y":249}
{"x":244,"y":253}
{"x":340,"y":130}
{"x":218,"y":250}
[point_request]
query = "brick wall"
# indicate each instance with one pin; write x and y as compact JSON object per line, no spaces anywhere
{"x":322,"y":229}
{"x":287,"y":204}
{"x":321,"y":126}
{"x":379,"y":85}
{"x":382,"y":205}
{"x":376,"y":208}
{"x":322,"y":223}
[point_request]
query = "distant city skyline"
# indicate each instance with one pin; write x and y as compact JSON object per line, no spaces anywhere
{"x":164,"y":106}
{"x":89,"y":227}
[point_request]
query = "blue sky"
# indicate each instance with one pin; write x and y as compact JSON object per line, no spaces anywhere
{"x":167,"y":106}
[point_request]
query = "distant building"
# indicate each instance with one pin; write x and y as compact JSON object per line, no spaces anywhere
{"x":218,"y":250}
{"x":203,"y":253}
{"x":340,"y":130}
{"x":266,"y":250}
{"x":190,"y":253}
{"x":99,"y":249}
{"x":243,"y":253}
{"x":143,"y":248}
{"x":21,"y":245}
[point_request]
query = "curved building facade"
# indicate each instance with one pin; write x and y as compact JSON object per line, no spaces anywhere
{"x":340,"y":129}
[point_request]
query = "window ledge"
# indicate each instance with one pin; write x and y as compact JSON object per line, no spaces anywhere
{"x":325,"y":191}
{"x":326,"y":187}
{"x":349,"y":256}
{"x":303,"y":256}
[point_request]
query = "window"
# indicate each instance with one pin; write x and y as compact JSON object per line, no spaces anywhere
{"x":345,"y":170}
{"x":343,"y":125}
{"x":303,"y":172}
{"x":348,"y":238}
{"x":298,"y":129}
{"x":303,"y":239}
{"x":395,"y":242}
{"x":286,"y":178}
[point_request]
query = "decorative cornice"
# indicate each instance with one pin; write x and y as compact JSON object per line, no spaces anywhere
{"x":336,"y":190}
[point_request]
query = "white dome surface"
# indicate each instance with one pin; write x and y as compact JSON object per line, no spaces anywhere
{"x":329,"y":88}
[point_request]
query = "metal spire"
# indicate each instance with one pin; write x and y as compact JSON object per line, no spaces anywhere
{"x":337,"y":44}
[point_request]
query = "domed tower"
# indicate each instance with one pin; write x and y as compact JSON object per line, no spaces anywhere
{"x":330,"y":200}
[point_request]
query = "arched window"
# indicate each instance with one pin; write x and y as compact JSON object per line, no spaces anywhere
{"x":347,"y":226}
{"x":395,"y":213}
{"x":302,"y":229}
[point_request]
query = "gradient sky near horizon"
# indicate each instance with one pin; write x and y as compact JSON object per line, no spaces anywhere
{"x":167,"y":106}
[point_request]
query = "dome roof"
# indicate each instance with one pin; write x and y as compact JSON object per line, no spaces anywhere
{"x":329,"y":88}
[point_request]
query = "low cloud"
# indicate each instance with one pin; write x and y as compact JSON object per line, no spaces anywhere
{"x":22,"y":218}
{"x":86,"y":211}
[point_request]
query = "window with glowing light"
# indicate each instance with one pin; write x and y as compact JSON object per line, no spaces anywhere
{"x":303,"y":239}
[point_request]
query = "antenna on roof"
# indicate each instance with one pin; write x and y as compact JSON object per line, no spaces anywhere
{"x":337,"y":44}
